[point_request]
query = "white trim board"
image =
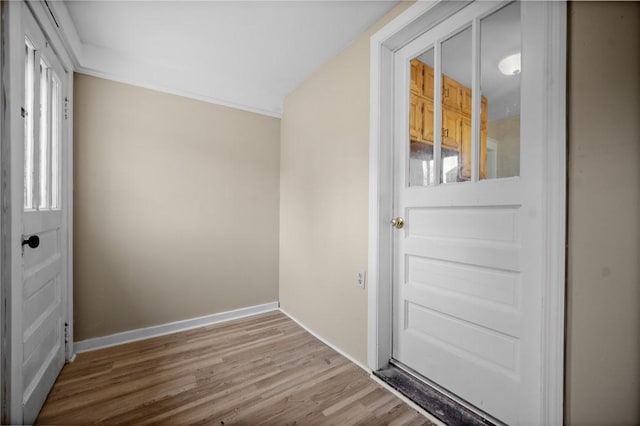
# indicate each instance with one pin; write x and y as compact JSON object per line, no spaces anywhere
{"x":169,"y":328}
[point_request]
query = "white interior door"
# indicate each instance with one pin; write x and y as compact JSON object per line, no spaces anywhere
{"x":39,"y":288}
{"x":468,"y":263}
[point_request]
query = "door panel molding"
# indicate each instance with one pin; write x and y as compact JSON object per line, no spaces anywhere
{"x":549,"y":109}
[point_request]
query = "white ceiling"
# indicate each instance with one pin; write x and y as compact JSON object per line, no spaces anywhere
{"x":246,"y":54}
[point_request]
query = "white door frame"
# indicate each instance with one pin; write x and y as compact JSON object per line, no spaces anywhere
{"x":551,"y":108}
{"x":12,"y":172}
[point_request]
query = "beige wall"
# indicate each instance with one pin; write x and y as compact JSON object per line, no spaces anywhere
{"x":324,"y":188}
{"x":173,"y":199}
{"x":603,"y":347}
{"x":324,"y":185}
{"x":506,"y":133}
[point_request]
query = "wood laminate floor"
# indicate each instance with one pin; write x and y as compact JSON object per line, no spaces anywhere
{"x":263,"y":369}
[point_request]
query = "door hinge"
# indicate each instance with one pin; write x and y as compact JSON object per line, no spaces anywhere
{"x":66,"y":333}
{"x":66,"y":108}
{"x":23,"y":112}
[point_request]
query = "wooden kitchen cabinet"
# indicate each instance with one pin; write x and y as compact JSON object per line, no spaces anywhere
{"x":451,"y":94}
{"x":466,"y":101}
{"x":428,"y":81}
{"x":483,"y":113}
{"x":427,"y":120}
{"x":465,"y":149}
{"x":415,"y":117}
{"x":421,"y":119}
{"x":456,"y":117}
{"x":451,"y":122}
{"x":417,"y":76}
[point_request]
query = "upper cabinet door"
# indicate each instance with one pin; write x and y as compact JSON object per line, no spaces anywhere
{"x":451,"y":122}
{"x":466,"y":101}
{"x":427,"y":120}
{"x":451,"y":93}
{"x":415,"y":117}
{"x":428,"y":81}
{"x":417,"y":76}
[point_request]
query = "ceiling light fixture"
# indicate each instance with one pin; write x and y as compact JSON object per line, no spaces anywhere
{"x":510,"y":65}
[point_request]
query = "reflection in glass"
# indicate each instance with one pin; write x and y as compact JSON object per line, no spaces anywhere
{"x":450,"y":165}
{"x":421,"y":164}
{"x":500,"y":68}
{"x":44,"y":137}
{"x":28,"y":126}
{"x":456,"y":107}
{"x":56,"y":119}
{"x":421,"y":171}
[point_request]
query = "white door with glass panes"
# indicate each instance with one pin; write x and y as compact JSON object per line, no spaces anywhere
{"x":468,"y":259}
{"x":39,"y":296}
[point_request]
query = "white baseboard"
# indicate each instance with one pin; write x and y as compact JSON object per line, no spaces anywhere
{"x":403,"y":398}
{"x":172,"y":327}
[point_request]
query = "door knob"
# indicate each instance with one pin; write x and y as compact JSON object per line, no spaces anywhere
{"x":33,"y":241}
{"x":398,"y":222}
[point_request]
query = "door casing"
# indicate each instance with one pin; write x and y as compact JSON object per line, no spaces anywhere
{"x":551,"y":18}
{"x":12,"y":182}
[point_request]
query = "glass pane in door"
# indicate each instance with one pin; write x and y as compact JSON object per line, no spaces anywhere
{"x":28,"y":125}
{"x":456,"y":107}
{"x":43,"y":117}
{"x":45,"y":137}
{"x":500,"y":67}
{"x":56,"y":136}
{"x":421,"y":121}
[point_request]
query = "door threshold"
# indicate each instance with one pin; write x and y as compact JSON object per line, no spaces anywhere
{"x":444,"y":408}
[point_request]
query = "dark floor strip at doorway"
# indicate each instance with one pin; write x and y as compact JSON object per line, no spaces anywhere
{"x":439,"y":405}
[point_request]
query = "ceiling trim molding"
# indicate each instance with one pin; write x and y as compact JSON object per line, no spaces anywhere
{"x":80,"y":55}
{"x":175,"y":91}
